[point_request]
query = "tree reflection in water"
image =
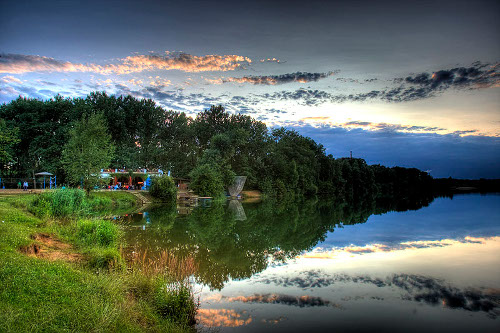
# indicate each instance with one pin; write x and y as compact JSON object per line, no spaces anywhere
{"x":236,"y":241}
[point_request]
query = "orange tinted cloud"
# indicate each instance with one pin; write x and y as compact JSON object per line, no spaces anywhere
{"x":222,"y":318}
{"x":19,"y":63}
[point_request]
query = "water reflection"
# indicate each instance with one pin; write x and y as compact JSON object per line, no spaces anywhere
{"x":416,"y":287}
{"x":285,"y":266}
{"x":236,"y":241}
{"x":223,"y":318}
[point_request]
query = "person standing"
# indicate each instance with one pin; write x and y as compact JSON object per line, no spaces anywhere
{"x":19,"y":185}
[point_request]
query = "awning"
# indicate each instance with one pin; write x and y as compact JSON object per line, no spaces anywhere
{"x":45,"y":173}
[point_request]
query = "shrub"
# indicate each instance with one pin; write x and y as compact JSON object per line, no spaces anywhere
{"x":97,"y":232}
{"x":99,"y":203}
{"x":163,"y":188}
{"x":106,"y":258}
{"x":206,"y":181}
{"x":67,"y":202}
{"x":58,"y":203}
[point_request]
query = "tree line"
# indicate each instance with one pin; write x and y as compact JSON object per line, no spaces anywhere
{"x":210,"y":148}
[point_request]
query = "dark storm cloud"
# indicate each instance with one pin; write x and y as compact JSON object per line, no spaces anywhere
{"x":416,"y":287}
{"x":301,"y":77}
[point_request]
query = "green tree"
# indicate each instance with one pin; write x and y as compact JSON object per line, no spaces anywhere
{"x":206,"y":181}
{"x":8,"y":138}
{"x":88,"y":150}
{"x":163,"y":188}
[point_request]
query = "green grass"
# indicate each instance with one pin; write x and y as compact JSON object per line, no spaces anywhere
{"x":96,"y":294}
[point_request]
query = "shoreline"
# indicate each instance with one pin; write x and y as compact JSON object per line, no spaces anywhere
{"x":60,"y":273}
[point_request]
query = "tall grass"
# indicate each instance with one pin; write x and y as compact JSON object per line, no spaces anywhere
{"x":40,"y":295}
{"x":73,"y":202}
{"x":166,"y":263}
{"x":97,"y":232}
{"x":163,"y":281}
{"x":58,"y":203}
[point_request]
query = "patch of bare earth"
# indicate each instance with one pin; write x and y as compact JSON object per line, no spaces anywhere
{"x":48,"y":247}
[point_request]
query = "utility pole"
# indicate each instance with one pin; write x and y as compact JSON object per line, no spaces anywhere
{"x":351,"y":154}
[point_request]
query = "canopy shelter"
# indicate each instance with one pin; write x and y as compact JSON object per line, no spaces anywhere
{"x":46,"y":174}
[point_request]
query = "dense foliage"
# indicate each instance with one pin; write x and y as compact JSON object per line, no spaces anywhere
{"x":163,"y":188}
{"x":88,"y":150}
{"x":8,"y":138}
{"x":236,"y":241}
{"x":277,"y":161}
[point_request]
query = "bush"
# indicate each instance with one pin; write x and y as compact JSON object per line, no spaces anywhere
{"x":206,"y":181}
{"x":163,"y":188}
{"x":67,"y":202}
{"x":106,"y":258}
{"x":97,"y":203}
{"x":97,"y":232}
{"x":58,"y":203}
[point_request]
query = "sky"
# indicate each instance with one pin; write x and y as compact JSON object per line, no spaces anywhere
{"x":397,"y":83}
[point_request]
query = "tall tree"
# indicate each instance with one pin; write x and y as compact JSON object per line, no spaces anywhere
{"x":8,"y":138}
{"x":88,"y":150}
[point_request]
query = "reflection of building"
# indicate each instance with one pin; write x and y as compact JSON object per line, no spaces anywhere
{"x":237,"y":208}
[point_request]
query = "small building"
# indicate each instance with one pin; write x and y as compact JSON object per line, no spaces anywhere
{"x":135,"y":179}
{"x":128,"y":178}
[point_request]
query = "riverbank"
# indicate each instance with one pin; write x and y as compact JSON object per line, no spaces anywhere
{"x":61,"y":269}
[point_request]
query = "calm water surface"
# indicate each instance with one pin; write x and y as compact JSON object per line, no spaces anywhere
{"x":328,"y":267}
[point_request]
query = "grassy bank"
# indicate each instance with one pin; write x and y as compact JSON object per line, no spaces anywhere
{"x":62,"y":270}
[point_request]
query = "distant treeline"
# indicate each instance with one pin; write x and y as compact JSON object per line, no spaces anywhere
{"x":277,"y":161}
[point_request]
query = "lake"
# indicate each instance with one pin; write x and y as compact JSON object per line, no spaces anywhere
{"x":427,"y":264}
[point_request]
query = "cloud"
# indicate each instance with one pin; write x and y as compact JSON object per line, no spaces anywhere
{"x":300,"y":77}
{"x":417,"y":287}
{"x":136,"y":82}
{"x":184,"y":62}
{"x":470,"y":156}
{"x":303,"y":96}
{"x":272,"y":60}
{"x":222,"y":318}
{"x":398,"y":127}
{"x":411,"y":88}
{"x":300,"y":301}
{"x":9,"y":79}
{"x":274,"y":321}
{"x":19,"y":63}
{"x":314,"y":118}
{"x":321,"y":253}
{"x":478,"y":75}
